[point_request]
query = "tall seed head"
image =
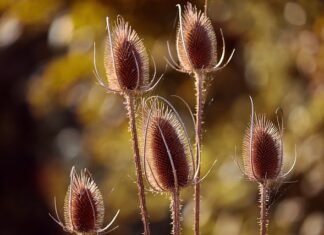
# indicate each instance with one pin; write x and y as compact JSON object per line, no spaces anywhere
{"x":262,"y":156}
{"x":83,"y":207}
{"x":196,"y":40}
{"x":166,"y":146}
{"x":126,"y":60}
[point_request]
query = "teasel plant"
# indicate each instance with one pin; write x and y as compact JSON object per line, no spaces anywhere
{"x":263,"y":158}
{"x":127,"y":70}
{"x":197,"y":54}
{"x":168,"y":158}
{"x":83,"y":207}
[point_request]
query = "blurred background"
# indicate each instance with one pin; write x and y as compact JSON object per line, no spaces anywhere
{"x":54,"y":115}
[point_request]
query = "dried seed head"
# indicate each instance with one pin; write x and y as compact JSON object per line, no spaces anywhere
{"x":196,"y":40}
{"x":83,"y":208}
{"x":166,"y":149}
{"x":262,"y":155}
{"x":126,"y":60}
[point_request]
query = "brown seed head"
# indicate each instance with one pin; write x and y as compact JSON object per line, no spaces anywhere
{"x":126,"y":60}
{"x":265,"y":160}
{"x":165,"y":139}
{"x":83,"y":208}
{"x":196,"y":40}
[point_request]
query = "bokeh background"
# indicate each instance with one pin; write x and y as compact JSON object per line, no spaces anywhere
{"x":53,"y":115}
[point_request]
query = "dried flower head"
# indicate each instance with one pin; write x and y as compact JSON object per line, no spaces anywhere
{"x":263,"y":149}
{"x":262,"y":152}
{"x":83,"y":207}
{"x":196,"y":40}
{"x":196,"y":43}
{"x":168,"y":161}
{"x":126,"y":60}
{"x":263,"y":157}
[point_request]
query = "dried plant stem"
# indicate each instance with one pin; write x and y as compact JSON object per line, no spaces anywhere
{"x":175,"y":207}
{"x":130,"y":104}
{"x":199,"y":85}
{"x":263,"y":208}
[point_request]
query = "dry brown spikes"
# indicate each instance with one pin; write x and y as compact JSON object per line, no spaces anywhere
{"x":263,"y":149}
{"x":126,"y":62}
{"x":127,"y":70}
{"x":169,"y":163}
{"x":197,"y":54}
{"x":263,"y":157}
{"x":167,"y":147}
{"x":83,"y":206}
{"x":196,"y":43}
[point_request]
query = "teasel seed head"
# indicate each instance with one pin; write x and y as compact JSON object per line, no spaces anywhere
{"x":126,"y":60}
{"x":196,"y":43}
{"x":196,"y":40}
{"x":83,"y":206}
{"x":167,"y":150}
{"x":262,"y":151}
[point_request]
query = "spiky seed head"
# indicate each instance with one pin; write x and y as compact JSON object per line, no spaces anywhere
{"x":126,"y":60}
{"x":198,"y":49}
{"x":265,"y":161}
{"x":163,"y":124}
{"x":83,"y":207}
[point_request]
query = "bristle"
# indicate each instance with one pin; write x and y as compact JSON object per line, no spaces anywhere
{"x":265,"y":162}
{"x":127,"y":63}
{"x":83,"y":209}
{"x":163,"y":125}
{"x":198,"y":50}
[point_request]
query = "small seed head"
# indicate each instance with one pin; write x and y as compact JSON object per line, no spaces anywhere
{"x":83,"y":208}
{"x":126,"y":60}
{"x":166,"y":145}
{"x":196,"y":41}
{"x":265,"y":161}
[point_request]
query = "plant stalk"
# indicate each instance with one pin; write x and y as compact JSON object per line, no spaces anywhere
{"x":263,"y":208}
{"x":199,"y":85}
{"x":175,"y":207}
{"x":130,"y":105}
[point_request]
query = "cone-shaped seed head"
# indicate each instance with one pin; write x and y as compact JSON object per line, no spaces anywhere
{"x":83,"y":208}
{"x":198,"y":49}
{"x":126,"y":62}
{"x":266,"y":159}
{"x":164,"y":125}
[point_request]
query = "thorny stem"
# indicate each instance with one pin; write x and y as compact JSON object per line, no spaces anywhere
{"x":130,"y":103}
{"x":263,"y":208}
{"x":175,"y":207}
{"x":199,"y":85}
